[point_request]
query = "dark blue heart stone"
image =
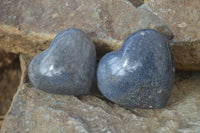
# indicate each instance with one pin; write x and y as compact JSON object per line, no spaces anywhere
{"x":67,"y":66}
{"x":140,"y":74}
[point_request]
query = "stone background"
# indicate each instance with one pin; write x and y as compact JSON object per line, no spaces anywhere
{"x":28,"y":27}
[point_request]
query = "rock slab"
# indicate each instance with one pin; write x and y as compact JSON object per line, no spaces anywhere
{"x":183,"y":18}
{"x":36,"y":111}
{"x":31,"y":25}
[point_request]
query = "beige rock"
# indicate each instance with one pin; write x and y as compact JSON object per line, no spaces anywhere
{"x":31,"y":25}
{"x":187,"y":55}
{"x":183,"y":17}
{"x":27,"y":42}
{"x":35,"y":111}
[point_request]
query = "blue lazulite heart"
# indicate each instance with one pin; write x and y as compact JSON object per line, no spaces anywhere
{"x":140,"y":74}
{"x":67,"y":66}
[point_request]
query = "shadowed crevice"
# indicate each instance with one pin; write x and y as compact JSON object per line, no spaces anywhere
{"x":137,"y":3}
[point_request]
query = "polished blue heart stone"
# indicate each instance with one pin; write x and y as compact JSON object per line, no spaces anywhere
{"x":140,"y":74}
{"x":67,"y":66}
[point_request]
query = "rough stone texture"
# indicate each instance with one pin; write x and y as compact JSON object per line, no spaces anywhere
{"x":67,"y":66}
{"x":140,"y":74}
{"x":25,"y":29}
{"x":27,"y":42}
{"x":36,"y":111}
{"x":183,"y":17}
{"x":33,"y":24}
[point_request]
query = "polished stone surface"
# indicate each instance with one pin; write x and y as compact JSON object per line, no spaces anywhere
{"x":67,"y":66}
{"x":140,"y":74}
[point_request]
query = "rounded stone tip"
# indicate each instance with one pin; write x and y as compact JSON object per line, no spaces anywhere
{"x":67,"y":66}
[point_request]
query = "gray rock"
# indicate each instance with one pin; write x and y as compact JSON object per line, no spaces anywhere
{"x":35,"y":111}
{"x":183,"y":18}
{"x":31,"y":25}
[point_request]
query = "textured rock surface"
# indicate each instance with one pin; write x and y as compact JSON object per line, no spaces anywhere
{"x":140,"y":74}
{"x":67,"y":66}
{"x":183,"y":17}
{"x":31,"y":25}
{"x":28,"y":27}
{"x":36,"y":111}
{"x":35,"y":23}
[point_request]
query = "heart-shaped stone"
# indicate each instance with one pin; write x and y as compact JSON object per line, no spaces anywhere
{"x":140,"y":74}
{"x":67,"y":66}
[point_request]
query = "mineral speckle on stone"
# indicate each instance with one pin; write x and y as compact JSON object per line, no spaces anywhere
{"x":140,"y":74}
{"x":67,"y":66}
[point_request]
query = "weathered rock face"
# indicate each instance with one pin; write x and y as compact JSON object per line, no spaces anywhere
{"x":183,"y":17}
{"x":28,"y":27}
{"x":35,"y":23}
{"x":31,"y":25}
{"x":36,"y":111}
